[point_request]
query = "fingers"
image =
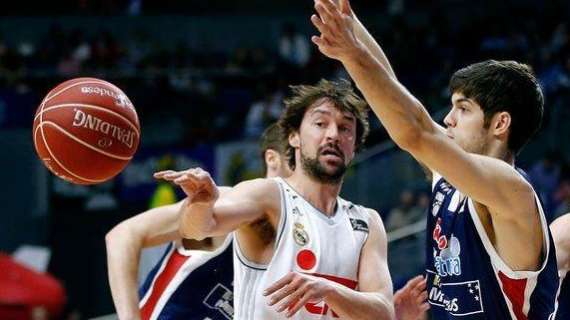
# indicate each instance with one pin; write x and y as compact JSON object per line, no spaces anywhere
{"x":318,"y":23}
{"x":179,"y":177}
{"x":161,"y":174}
{"x":278,"y":284}
{"x":345,"y":7}
{"x":285,"y":291}
{"x":422,"y":297}
{"x":328,"y":12}
{"x":412,"y":283}
{"x":299,"y":304}
{"x":424,"y":307}
{"x":291,"y":298}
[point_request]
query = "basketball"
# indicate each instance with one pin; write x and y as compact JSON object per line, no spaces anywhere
{"x":86,"y":130}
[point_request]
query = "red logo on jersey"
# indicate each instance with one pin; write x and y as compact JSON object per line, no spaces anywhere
{"x":306,"y":259}
{"x":323,"y":308}
{"x":437,"y":237}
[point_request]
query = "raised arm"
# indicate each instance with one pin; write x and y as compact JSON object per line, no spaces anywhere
{"x":489,"y":181}
{"x":364,"y":36}
{"x":124,"y":244}
{"x":206,"y":214}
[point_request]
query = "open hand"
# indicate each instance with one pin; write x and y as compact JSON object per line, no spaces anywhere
{"x":410,"y":301}
{"x":335,"y":23}
{"x":196,"y":183}
{"x":295,"y":290}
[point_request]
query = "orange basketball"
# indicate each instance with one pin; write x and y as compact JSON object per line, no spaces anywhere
{"x":86,"y":130}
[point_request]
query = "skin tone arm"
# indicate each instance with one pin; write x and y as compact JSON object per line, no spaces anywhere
{"x":124,"y":245}
{"x":559,"y":229}
{"x":364,"y":36}
{"x":205,"y":214}
{"x":489,"y":181}
{"x":373,"y":300}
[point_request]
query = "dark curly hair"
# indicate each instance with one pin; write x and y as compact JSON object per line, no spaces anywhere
{"x":303,"y":97}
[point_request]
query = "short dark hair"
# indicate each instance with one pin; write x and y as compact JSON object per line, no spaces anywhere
{"x":303,"y":97}
{"x":274,"y":139}
{"x":507,"y":86}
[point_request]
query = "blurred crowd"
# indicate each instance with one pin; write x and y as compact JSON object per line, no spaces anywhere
{"x":214,"y":95}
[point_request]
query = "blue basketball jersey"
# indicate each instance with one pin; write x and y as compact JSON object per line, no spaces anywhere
{"x":563,"y":312}
{"x":467,"y":279}
{"x":190,"y":284}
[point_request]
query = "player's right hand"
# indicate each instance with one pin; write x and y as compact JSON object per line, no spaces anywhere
{"x":196,"y":183}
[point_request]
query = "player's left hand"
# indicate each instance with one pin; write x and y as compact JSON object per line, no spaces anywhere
{"x":410,"y":301}
{"x":294,"y":290}
{"x":337,"y":39}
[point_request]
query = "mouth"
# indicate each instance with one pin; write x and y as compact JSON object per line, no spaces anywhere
{"x":332,"y":153}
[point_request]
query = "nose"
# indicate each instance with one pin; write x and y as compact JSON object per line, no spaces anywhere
{"x":332,"y":132}
{"x":449,"y":119}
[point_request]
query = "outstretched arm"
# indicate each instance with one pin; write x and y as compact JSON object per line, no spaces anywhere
{"x":124,"y":244}
{"x":364,"y":36}
{"x":488,"y":181}
{"x":206,"y":214}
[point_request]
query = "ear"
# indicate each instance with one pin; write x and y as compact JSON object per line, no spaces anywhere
{"x":501,"y":123}
{"x":271,"y":159}
{"x":294,"y":140}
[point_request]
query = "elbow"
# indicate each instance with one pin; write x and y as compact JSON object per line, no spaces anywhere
{"x":112,"y":236}
{"x":122,"y":235}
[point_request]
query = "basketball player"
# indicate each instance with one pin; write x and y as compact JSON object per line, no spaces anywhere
{"x":323,"y":257}
{"x":489,"y":250}
{"x":410,"y":300}
{"x":193,"y":280}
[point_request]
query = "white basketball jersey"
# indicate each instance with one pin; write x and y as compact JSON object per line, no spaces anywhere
{"x":307,"y":241}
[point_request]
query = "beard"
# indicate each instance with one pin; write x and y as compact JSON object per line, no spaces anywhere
{"x":314,"y":168}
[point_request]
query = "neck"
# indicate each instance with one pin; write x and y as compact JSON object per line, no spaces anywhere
{"x":322,"y":196}
{"x":501,"y":152}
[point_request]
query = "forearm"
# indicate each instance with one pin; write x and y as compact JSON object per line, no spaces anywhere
{"x":373,"y":47}
{"x":197,"y":220}
{"x":351,"y":304}
{"x":123,"y":255}
{"x":401,"y":113}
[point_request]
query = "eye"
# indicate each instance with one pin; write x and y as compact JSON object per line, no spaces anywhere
{"x":344,"y":129}
{"x":319,"y":124}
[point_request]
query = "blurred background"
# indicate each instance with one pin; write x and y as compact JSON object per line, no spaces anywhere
{"x":206,"y":78}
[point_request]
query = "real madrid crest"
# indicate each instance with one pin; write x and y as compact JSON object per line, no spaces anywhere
{"x":300,"y":235}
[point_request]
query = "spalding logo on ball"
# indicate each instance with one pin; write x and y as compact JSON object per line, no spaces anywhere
{"x":86,"y":130}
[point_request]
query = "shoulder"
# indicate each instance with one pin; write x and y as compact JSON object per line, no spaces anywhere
{"x":375,"y":223}
{"x":374,"y":218}
{"x":559,"y":229}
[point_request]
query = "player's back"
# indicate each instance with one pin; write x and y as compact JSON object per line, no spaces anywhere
{"x":308,"y":242}
{"x":190,"y":284}
{"x":467,"y":277}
